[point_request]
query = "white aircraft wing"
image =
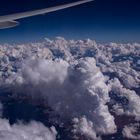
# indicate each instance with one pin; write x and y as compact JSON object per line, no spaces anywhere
{"x":8,"y":21}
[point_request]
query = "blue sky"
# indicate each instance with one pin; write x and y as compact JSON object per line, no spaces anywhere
{"x":102,"y":20}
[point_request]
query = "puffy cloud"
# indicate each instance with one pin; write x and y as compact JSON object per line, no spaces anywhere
{"x":40,"y":70}
{"x":19,"y":131}
{"x":33,"y":130}
{"x":85,"y":127}
{"x":132,"y":104}
{"x":124,"y":71}
{"x":132,"y":131}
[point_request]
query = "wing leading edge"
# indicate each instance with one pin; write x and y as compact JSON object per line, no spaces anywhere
{"x":8,"y":21}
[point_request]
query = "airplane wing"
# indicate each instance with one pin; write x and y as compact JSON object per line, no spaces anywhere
{"x":8,"y":21}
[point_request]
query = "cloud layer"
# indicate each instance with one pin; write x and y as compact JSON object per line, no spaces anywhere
{"x":87,"y":85}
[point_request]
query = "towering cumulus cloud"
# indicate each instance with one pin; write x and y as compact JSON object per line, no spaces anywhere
{"x":75,"y":91}
{"x":83,"y":88}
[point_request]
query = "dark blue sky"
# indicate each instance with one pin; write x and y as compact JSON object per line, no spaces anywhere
{"x":102,"y":20}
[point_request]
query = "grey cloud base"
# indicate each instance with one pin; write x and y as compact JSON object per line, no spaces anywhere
{"x":90,"y":85}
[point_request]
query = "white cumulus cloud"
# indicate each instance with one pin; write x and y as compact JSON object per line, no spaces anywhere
{"x":132,"y":131}
{"x":33,"y":130}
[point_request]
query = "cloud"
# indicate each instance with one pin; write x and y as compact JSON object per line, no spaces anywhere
{"x":28,"y":131}
{"x":129,"y":108}
{"x":1,"y":109}
{"x":85,"y":127}
{"x":72,"y":90}
{"x":33,"y":130}
{"x":132,"y":131}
